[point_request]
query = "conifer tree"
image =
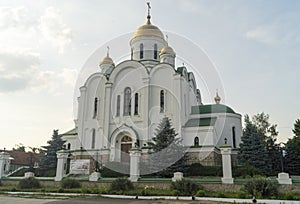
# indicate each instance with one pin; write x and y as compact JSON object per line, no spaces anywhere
{"x":292,"y":150}
{"x":252,"y":151}
{"x":168,"y":154}
{"x":49,"y":159}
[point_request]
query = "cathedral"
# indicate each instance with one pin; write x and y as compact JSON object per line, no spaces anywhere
{"x":120,"y":106}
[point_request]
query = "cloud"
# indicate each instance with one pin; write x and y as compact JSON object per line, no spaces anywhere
{"x":17,"y":69}
{"x":284,"y":30}
{"x":21,"y":28}
{"x":262,"y":34}
{"x":54,"y":29}
{"x":15,"y":17}
{"x":21,"y":70}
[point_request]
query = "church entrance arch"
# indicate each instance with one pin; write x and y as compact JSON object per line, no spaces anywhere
{"x":126,"y":145}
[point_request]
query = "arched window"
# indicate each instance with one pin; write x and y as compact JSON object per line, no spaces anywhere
{"x":162,"y":101}
{"x":95,"y":107}
{"x":141,"y":51}
{"x":196,"y":141}
{"x":69,"y":145}
{"x":127,"y":101}
{"x":155,"y":51}
{"x":118,"y":105}
{"x":136,"y":104}
{"x":93,"y":138}
{"x":233,"y":137}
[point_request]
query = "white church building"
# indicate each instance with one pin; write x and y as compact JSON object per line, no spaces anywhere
{"x":121,"y":105}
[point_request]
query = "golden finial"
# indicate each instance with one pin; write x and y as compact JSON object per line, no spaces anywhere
{"x":149,"y":16}
{"x":217,"y":98}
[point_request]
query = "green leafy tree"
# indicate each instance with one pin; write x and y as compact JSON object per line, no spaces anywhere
{"x":168,"y":154}
{"x":49,"y":160}
{"x":292,"y":150}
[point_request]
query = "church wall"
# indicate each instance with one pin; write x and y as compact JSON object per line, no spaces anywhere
{"x":162,"y":78}
{"x":224,"y":126}
{"x":132,"y":78}
{"x":205,"y":135}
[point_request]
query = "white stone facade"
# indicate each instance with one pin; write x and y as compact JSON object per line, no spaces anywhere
{"x":121,"y":105}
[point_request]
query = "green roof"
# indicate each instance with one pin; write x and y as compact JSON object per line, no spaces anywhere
{"x":199,"y":122}
{"x":70,"y":132}
{"x":212,"y":108}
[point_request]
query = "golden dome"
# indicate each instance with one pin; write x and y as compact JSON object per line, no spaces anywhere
{"x":148,"y":30}
{"x":107,"y":60}
{"x":167,"y":50}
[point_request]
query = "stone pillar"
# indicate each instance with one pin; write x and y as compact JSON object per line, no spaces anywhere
{"x":135,"y":156}
{"x":4,"y":163}
{"x":226,"y":163}
{"x":61,"y":170}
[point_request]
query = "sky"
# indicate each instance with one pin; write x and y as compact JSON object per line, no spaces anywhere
{"x":254,"y":45}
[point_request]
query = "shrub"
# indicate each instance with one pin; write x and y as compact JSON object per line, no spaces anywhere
{"x":175,"y":193}
{"x":201,"y":193}
{"x":261,"y":187}
{"x":60,"y":190}
{"x":241,"y":194}
{"x":29,"y":183}
{"x":245,"y":171}
{"x":185,"y":187}
{"x":289,"y":196}
{"x":121,"y":184}
{"x":70,"y":183}
{"x":220,"y":195}
{"x":197,"y":169}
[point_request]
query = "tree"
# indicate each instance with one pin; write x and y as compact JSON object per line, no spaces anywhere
{"x":49,"y":160}
{"x":252,"y":151}
{"x":292,"y":150}
{"x":267,"y":134}
{"x":296,"y":129}
{"x":20,"y":148}
{"x":168,"y":154}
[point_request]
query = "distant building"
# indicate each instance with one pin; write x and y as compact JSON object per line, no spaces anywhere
{"x":120,"y":106}
{"x":22,"y":159}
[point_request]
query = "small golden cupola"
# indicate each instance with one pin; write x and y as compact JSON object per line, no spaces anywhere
{"x":106,"y":64}
{"x":167,"y":55}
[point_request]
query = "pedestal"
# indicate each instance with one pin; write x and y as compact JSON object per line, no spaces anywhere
{"x":283,"y":178}
{"x":226,"y":164}
{"x":94,"y":176}
{"x":29,"y":175}
{"x":135,"y":156}
{"x":178,"y":176}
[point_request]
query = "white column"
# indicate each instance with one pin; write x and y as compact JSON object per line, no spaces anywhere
{"x":226,"y":163}
{"x":107,"y":111}
{"x":4,"y":163}
{"x":62,"y":157}
{"x":135,"y":156}
{"x":81,"y":115}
